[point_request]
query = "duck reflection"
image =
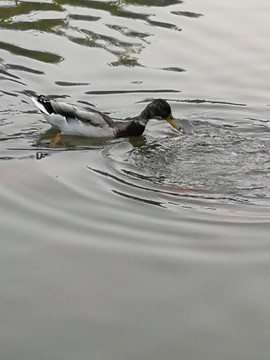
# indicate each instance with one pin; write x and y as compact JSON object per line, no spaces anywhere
{"x":47,"y":140}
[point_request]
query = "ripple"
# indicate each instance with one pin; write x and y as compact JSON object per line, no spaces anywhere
{"x":42,"y":56}
{"x":17,"y":67}
{"x":153,"y":91}
{"x":162,"y":3}
{"x":164,"y":25}
{"x":173,"y":68}
{"x":212,"y":163}
{"x":66,"y":83}
{"x":187,"y":14}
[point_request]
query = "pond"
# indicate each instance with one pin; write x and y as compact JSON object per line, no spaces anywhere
{"x":149,"y":247}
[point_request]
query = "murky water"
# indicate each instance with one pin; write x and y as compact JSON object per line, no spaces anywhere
{"x":154,"y":247}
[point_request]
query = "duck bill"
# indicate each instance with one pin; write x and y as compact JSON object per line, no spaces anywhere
{"x":172,"y":122}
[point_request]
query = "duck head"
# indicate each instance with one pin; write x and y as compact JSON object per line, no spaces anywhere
{"x":160,"y":108}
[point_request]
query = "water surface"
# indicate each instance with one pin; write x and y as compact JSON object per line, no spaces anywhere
{"x":140,"y":248}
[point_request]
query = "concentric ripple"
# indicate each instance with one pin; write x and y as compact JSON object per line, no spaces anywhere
{"x":212,"y":162}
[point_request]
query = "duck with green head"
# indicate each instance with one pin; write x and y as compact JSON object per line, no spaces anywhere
{"x":71,"y":120}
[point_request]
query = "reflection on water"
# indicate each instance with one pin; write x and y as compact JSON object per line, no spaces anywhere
{"x":85,"y":23}
{"x":154,"y":247}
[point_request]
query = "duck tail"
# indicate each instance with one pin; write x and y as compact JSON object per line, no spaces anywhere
{"x":43,"y":104}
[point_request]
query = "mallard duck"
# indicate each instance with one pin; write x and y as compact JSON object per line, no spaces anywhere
{"x":73,"y":121}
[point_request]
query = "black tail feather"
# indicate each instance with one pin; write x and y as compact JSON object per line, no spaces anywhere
{"x":46,"y":103}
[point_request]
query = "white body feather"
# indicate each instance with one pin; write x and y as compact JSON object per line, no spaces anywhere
{"x":97,"y":127}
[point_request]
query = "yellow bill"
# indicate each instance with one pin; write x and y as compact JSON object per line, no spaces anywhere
{"x":172,"y":122}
